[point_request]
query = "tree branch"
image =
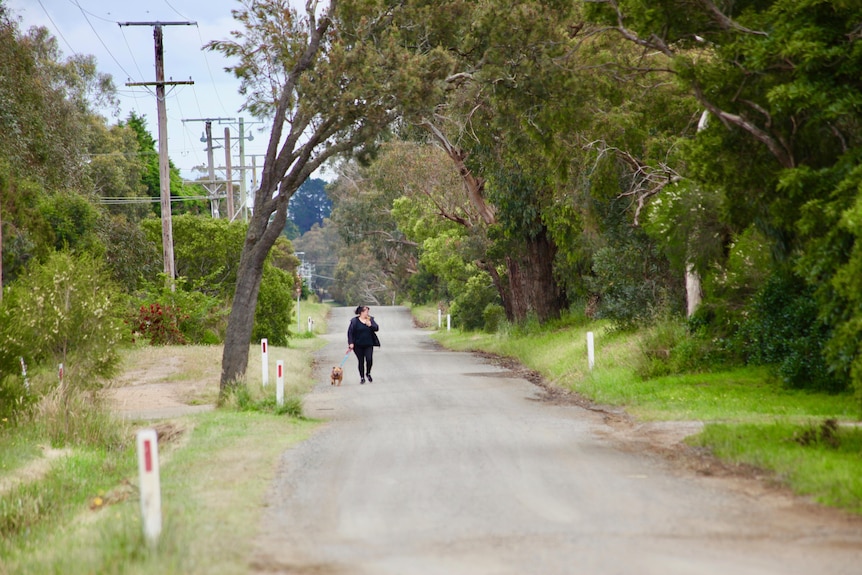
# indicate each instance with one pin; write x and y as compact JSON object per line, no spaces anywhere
{"x":473,"y":185}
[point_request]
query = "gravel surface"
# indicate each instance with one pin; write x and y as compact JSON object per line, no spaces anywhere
{"x":456,"y":463}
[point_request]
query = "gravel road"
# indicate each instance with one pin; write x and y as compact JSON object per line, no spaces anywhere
{"x":449,"y":464}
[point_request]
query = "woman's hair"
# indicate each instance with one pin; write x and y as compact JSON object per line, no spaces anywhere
{"x":359,"y":309}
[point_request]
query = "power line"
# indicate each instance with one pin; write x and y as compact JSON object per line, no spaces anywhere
{"x":148,"y":200}
{"x":209,"y":70}
{"x":57,"y":28}
{"x":75,"y":3}
{"x":90,"y":24}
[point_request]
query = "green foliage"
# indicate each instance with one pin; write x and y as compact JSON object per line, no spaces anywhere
{"x":46,"y":111}
{"x":133,"y":260}
{"x":206,"y":251}
{"x":309,"y":205}
{"x":472,"y":300}
{"x":784,"y":329}
{"x":66,"y":311}
{"x":275,"y":307}
{"x":16,"y":401}
{"x":150,"y":177}
{"x":493,"y":317}
{"x":633,"y":282}
{"x":181,"y":315}
{"x":73,"y":219}
{"x":685,"y":221}
{"x":663,"y":351}
{"x":834,"y":264}
{"x":61,"y":312}
{"x":424,"y":287}
{"x":25,"y":233}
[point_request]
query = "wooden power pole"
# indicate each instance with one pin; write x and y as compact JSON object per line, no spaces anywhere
{"x":164,"y":164}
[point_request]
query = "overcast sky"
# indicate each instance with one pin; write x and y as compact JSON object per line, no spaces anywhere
{"x":128,"y":54}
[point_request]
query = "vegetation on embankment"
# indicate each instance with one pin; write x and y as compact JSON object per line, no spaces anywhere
{"x":76,"y":510}
{"x":807,"y":440}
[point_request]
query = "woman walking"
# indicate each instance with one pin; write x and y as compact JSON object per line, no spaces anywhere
{"x":362,"y":339}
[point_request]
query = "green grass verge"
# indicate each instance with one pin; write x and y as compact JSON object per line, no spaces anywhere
{"x":80,"y":513}
{"x":750,"y":418}
{"x":825,"y":466}
{"x":213,"y":481}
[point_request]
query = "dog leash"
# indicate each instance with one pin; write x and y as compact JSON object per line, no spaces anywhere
{"x":346,"y":355}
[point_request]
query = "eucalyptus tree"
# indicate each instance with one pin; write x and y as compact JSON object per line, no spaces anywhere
{"x":328,"y":80}
{"x":362,"y":214}
{"x":509,"y":57}
{"x":781,"y":82}
{"x":47,"y":128}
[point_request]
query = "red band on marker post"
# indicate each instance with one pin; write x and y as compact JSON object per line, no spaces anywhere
{"x":148,"y":456}
{"x":263,"y":346}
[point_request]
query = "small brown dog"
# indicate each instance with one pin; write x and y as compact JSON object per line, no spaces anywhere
{"x":336,"y":376}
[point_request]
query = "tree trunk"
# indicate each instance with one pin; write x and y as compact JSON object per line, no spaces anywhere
{"x":532,"y":288}
{"x":260,"y":238}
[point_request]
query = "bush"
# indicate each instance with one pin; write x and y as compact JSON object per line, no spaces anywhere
{"x":784,"y":330}
{"x":207,"y":251}
{"x":179,"y":316}
{"x":469,"y":305}
{"x":494,"y":316}
{"x":668,"y":347}
{"x":66,"y":311}
{"x":15,"y":400}
{"x":272,"y":318}
{"x":61,"y":312}
{"x":159,"y":324}
{"x":633,"y":282}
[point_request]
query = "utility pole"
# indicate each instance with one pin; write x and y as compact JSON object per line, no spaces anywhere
{"x":212,"y":185}
{"x":164,"y":164}
{"x":228,"y":175}
{"x":242,"y":191}
{"x":213,"y":192}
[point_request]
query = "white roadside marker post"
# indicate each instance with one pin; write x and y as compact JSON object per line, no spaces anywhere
{"x":439,"y":318}
{"x":148,"y":472}
{"x":24,"y":374}
{"x":264,"y":362}
{"x":591,"y":355}
{"x":279,"y":382}
{"x":448,"y":322}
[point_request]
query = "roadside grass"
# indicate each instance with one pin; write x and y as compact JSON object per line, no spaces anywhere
{"x":749,"y":417}
{"x":81,"y":513}
{"x":17,"y":449}
{"x":824,"y":465}
{"x":213,"y":490}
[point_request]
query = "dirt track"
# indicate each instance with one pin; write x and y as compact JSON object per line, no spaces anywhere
{"x":453,"y":463}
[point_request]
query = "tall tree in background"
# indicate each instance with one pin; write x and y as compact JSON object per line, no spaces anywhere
{"x":149,"y":156}
{"x":309,"y":205}
{"x":46,"y":128}
{"x":511,"y":57}
{"x":329,"y":80}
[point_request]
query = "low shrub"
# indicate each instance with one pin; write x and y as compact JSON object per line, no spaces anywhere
{"x":159,"y":324}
